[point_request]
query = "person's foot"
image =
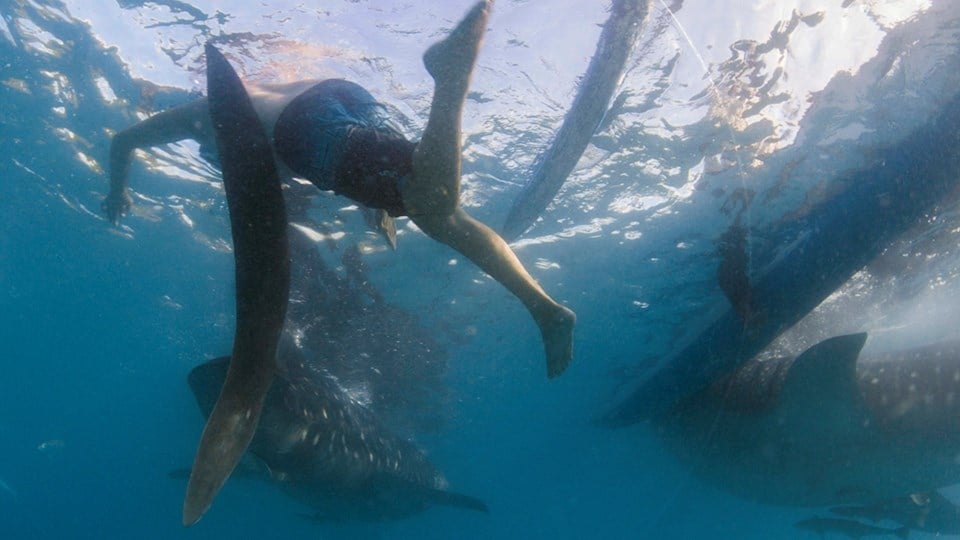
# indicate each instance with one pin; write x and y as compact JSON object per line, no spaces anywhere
{"x":557,"y":332}
{"x":451,"y":60}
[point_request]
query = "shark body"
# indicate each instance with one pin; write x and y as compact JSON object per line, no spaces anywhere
{"x":330,"y":452}
{"x":827,"y":427}
{"x":872,"y":206}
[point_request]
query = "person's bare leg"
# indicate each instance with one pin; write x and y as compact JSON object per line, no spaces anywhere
{"x":491,"y":253}
{"x":435,"y":187}
{"x":432,"y":195}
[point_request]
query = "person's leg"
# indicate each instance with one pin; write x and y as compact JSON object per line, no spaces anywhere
{"x":435,"y":185}
{"x":491,"y":253}
{"x":432,"y":195}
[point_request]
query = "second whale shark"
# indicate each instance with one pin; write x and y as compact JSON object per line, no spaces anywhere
{"x":814,"y":430}
{"x":327,"y":450}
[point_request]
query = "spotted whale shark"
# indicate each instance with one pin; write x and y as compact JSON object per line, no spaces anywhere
{"x":815,"y":429}
{"x":873,"y":206}
{"x":258,"y":223}
{"x":331,"y":452}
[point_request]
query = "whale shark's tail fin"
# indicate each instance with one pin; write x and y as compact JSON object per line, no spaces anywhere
{"x":258,"y":223}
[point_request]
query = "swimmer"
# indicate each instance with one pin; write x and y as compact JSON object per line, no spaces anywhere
{"x":336,"y":135}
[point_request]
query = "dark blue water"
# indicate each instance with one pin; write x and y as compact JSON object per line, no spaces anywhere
{"x":100,"y":325}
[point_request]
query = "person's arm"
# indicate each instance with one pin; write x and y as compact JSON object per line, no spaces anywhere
{"x":190,"y":121}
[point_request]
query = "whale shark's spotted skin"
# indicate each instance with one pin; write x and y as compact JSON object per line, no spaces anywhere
{"x":827,"y":427}
{"x":330,"y":451}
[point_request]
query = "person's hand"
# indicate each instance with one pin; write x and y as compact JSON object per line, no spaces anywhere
{"x":116,"y":205}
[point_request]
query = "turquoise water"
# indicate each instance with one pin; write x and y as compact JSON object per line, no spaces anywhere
{"x":101,"y":324}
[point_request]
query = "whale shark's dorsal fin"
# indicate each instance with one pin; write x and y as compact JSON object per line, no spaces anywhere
{"x":826,"y":369}
{"x":822,"y":383}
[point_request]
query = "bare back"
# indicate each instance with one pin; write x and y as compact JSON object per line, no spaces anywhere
{"x":269,"y":100}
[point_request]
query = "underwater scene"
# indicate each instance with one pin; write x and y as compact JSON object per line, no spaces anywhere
{"x":358,"y":269}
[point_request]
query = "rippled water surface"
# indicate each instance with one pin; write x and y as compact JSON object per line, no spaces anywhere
{"x":728,"y":112}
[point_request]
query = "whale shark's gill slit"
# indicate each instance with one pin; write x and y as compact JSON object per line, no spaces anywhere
{"x":258,"y":223}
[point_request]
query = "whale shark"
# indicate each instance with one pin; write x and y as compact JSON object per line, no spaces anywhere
{"x":873,"y":206}
{"x":376,"y":350}
{"x":331,"y":452}
{"x":262,"y":271}
{"x":815,"y":429}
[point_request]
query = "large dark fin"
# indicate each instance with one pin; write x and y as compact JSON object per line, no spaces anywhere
{"x":206,"y":382}
{"x":258,"y":222}
{"x":822,"y":384}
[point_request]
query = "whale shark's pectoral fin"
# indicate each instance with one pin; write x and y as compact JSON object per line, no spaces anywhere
{"x":258,"y":223}
{"x":821,"y":386}
{"x":390,"y":486}
{"x":456,"y":500}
